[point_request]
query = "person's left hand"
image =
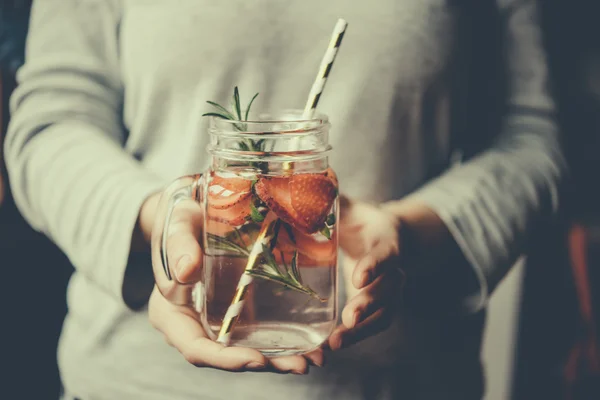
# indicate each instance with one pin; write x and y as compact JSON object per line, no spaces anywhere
{"x":370,"y":239}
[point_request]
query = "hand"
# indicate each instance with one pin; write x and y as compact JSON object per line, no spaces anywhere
{"x":180,"y":324}
{"x":369,"y":235}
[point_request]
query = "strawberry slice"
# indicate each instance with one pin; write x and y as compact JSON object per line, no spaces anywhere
{"x":312,"y":197}
{"x":234,"y":215}
{"x":320,"y":252}
{"x":302,"y":200}
{"x":233,"y":183}
{"x":226,"y":199}
{"x":274,"y":191}
{"x":224,"y":193}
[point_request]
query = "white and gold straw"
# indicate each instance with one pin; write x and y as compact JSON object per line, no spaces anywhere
{"x":325,"y":68}
{"x":237,"y":304}
{"x":266,"y":235}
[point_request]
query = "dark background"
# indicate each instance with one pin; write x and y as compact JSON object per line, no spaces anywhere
{"x":36,"y":273}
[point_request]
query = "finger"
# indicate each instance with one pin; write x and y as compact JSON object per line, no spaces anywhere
{"x":289,"y":364}
{"x":316,"y":357}
{"x":368,"y":300}
{"x":382,"y":257}
{"x":344,"y":337}
{"x":182,"y":329}
{"x":350,"y":236}
{"x":183,"y":242}
{"x":345,"y":207}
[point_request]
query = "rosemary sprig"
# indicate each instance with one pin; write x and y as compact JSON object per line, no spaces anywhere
{"x":236,"y":115}
{"x":289,"y":277}
{"x":224,"y":244}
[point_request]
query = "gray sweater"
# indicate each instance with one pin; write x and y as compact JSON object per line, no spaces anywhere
{"x":109,"y":110}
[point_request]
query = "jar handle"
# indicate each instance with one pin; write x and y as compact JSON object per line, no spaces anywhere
{"x":186,"y":188}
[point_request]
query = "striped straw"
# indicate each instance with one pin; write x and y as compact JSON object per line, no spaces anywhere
{"x":321,"y":79}
{"x":237,"y":304}
{"x":325,"y":68}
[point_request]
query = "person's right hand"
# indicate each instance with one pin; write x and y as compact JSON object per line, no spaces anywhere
{"x":180,"y":324}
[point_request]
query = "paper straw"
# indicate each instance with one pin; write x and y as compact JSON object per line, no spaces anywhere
{"x":237,"y":304}
{"x":325,"y":68}
{"x":318,"y":86}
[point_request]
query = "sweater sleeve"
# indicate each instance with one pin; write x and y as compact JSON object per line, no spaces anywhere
{"x":492,"y":203}
{"x":70,"y":175}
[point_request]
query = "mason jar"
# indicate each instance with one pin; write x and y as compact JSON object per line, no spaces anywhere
{"x":269,"y":205}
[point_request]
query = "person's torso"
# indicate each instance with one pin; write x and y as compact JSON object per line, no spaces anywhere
{"x":386,"y":96}
{"x":387,"y":99}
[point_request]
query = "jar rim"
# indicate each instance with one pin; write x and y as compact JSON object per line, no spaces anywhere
{"x":288,"y":136}
{"x":269,"y":124}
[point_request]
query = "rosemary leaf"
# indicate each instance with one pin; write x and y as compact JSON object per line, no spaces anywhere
{"x":276,"y":228}
{"x":283,"y":259}
{"x":270,"y":269}
{"x":222,"y":109}
{"x":243,"y":146}
{"x":330,"y":220}
{"x":255,"y":214}
{"x":283,"y":282}
{"x":289,"y":231}
{"x":240,"y":238}
{"x":326,"y":232}
{"x":250,"y":105}
{"x":295,"y":270}
{"x":236,"y":102}
{"x":269,"y":256}
{"x":225,"y":244}
{"x":214,"y":114}
{"x":258,"y":145}
{"x":251,"y":230}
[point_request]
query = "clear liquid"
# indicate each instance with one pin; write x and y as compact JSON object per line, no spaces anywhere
{"x":283,"y":301}
{"x":273,"y":320}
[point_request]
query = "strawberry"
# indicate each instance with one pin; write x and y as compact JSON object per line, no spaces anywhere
{"x":312,"y":197}
{"x":302,"y":200}
{"x":331,"y":175}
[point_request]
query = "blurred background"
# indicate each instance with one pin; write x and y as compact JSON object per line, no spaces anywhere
{"x":540,"y":339}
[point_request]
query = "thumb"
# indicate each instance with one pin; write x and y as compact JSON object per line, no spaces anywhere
{"x":183,"y":242}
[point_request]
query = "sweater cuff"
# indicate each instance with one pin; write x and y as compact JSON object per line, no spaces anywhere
{"x":457,"y":208}
{"x":132,"y":280}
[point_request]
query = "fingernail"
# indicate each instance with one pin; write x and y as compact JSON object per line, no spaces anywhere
{"x":297,"y":372}
{"x":366,"y":279}
{"x":255,"y":365}
{"x":183,"y":263}
{"x":355,"y":317}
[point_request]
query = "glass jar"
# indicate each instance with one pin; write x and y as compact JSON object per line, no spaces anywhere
{"x":270,"y":241}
